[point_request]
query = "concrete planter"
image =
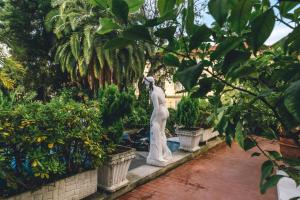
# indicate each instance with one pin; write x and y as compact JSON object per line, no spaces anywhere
{"x":75,"y":187}
{"x":112,"y":174}
{"x":208,"y":134}
{"x":189,"y":139}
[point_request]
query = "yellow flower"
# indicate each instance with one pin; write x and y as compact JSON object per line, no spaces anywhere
{"x":50,"y":146}
{"x":37,"y":174}
{"x":39,"y":139}
{"x":34,"y":163}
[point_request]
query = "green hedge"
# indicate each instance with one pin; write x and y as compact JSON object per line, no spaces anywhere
{"x":43,"y":142}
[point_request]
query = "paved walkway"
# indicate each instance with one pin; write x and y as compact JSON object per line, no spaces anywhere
{"x":221,"y":174}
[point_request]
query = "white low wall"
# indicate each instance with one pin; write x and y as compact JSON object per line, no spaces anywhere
{"x":71,"y":188}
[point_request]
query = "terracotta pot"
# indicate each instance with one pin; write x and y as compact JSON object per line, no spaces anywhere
{"x":289,"y":148}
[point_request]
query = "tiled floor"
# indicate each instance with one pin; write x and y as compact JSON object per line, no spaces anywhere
{"x":222,"y":174}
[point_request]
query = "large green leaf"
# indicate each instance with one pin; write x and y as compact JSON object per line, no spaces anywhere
{"x":219,"y":10}
{"x":234,"y":58}
{"x":226,"y":46}
{"x":165,"y":6}
{"x":75,"y":45}
{"x":171,"y":60}
{"x":190,"y":16}
{"x":117,"y":43}
{"x":293,"y":40}
{"x":205,"y":86}
{"x":166,"y":33}
{"x":292,"y":99}
{"x":240,"y":14}
{"x":241,"y":72}
{"x":101,"y":3}
{"x":286,"y":6}
{"x":107,"y":25}
{"x":261,"y":28}
{"x":134,"y":5}
{"x":120,"y":9}
{"x":189,"y":76}
{"x":266,"y":170}
{"x":271,"y":182}
{"x":170,"y":15}
{"x":201,"y":34}
{"x":137,"y":32}
{"x":248,"y":144}
{"x":239,"y":134}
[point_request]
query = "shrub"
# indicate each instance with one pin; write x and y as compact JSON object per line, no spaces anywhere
{"x":171,"y":120}
{"x":205,"y":119}
{"x":188,"y":112}
{"x":139,"y":118}
{"x":40,"y":143}
{"x":114,"y":106}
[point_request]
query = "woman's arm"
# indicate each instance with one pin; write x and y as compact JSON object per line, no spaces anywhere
{"x":155,"y":103}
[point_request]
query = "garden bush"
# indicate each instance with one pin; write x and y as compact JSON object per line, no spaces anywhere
{"x":188,"y":112}
{"x":139,"y":118}
{"x":205,"y":118}
{"x":171,"y":122}
{"x":40,"y":143}
{"x":114,"y":106}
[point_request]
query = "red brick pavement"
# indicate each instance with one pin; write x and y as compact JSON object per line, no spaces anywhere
{"x":221,"y":174}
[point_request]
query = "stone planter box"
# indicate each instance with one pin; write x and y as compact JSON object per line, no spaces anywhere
{"x":75,"y":187}
{"x":112,"y":174}
{"x":208,"y":134}
{"x":189,"y":139}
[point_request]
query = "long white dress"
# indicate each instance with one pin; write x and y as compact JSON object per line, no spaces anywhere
{"x":159,"y":153}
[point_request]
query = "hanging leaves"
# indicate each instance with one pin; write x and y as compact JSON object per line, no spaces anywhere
{"x":107,"y":25}
{"x":189,"y":76}
{"x":219,"y":10}
{"x":261,"y":28}
{"x":137,"y":32}
{"x":241,"y":13}
{"x":291,"y":100}
{"x":225,"y":47}
{"x":120,"y":9}
{"x":164,"y":6}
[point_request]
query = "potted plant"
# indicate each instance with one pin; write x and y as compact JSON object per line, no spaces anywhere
{"x":187,"y":117}
{"x":115,"y":105}
{"x":206,"y":121}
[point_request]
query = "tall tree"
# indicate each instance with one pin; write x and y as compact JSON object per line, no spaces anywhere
{"x":22,"y":30}
{"x":80,"y":49}
{"x":11,"y":72}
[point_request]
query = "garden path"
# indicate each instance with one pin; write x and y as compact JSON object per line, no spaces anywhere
{"x":221,"y":174}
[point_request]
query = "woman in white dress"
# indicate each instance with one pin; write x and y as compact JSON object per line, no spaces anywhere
{"x":159,"y":153}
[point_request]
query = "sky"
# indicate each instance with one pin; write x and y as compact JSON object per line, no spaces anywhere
{"x":280,"y":30}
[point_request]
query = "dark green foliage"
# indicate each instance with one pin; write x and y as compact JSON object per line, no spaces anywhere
{"x":206,"y":119}
{"x":187,"y":113}
{"x":44,"y":142}
{"x":24,"y":33}
{"x":171,"y":122}
{"x":114,"y":106}
{"x":141,"y":111}
{"x":139,"y":118}
{"x":262,"y":26}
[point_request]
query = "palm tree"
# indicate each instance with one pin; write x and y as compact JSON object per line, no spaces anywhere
{"x":80,"y":49}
